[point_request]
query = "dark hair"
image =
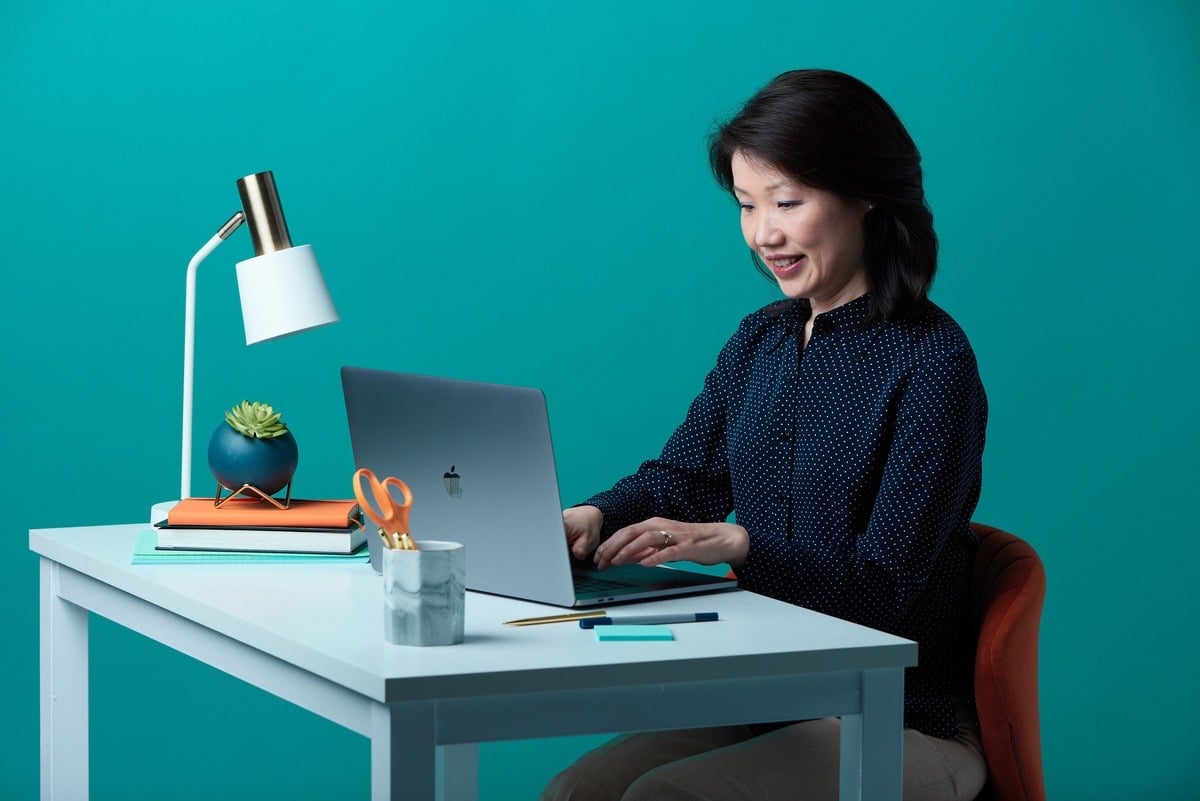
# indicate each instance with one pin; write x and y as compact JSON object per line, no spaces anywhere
{"x":832,"y":132}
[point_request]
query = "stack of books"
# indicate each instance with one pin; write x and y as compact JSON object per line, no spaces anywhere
{"x":251,"y":525}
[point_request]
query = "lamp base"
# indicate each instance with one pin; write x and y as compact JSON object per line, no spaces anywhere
{"x":158,"y":512}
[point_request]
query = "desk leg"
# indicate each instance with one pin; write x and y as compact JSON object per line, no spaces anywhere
{"x":873,"y":743}
{"x":403,"y":763}
{"x":458,"y":772}
{"x":63,"y":656}
{"x":406,"y":763}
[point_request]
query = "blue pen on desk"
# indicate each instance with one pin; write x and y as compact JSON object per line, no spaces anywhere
{"x":647,"y":620}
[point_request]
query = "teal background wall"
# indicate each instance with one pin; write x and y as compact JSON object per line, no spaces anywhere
{"x":517,"y":192}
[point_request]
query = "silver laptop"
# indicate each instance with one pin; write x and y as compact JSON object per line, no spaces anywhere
{"x":480,"y":464}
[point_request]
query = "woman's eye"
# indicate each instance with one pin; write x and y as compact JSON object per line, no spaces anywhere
{"x":746,"y":207}
{"x":788,"y":204}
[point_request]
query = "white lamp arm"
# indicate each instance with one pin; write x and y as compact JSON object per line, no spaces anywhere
{"x":189,"y":347}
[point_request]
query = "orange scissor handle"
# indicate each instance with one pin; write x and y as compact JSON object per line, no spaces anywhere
{"x":387,"y":512}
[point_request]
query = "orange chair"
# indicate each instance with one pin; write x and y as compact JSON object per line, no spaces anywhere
{"x":1008,"y":587}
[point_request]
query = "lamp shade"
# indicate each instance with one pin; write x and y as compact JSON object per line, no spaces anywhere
{"x":283,"y":293}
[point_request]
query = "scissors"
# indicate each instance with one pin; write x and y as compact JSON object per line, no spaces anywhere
{"x":387,"y":512}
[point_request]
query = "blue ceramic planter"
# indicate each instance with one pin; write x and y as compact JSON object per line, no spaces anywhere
{"x":236,"y":460}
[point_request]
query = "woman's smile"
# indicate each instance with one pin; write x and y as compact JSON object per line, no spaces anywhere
{"x":785,"y":267}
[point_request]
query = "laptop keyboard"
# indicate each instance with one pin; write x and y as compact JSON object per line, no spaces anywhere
{"x":590,"y":584}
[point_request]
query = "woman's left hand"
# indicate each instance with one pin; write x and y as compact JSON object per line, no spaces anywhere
{"x":658,"y":540}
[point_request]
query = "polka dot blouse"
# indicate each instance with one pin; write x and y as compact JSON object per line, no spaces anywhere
{"x":854,"y":463}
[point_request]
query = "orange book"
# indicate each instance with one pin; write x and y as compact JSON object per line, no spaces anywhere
{"x":251,"y":512}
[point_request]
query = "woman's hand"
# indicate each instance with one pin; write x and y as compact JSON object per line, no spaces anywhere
{"x":582,"y":524}
{"x":658,"y":540}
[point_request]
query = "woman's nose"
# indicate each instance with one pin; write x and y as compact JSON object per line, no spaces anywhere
{"x":767,"y":232}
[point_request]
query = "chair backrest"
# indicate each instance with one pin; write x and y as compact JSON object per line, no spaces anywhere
{"x":1008,"y":588}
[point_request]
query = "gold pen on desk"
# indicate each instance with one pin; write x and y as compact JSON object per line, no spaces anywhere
{"x":563,"y":618}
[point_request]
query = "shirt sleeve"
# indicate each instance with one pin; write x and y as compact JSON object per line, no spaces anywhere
{"x":689,"y":481}
{"x":929,"y":486}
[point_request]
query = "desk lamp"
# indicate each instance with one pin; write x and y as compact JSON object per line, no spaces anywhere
{"x":281,"y":288}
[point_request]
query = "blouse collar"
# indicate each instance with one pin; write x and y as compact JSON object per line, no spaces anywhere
{"x":795,"y":313}
{"x":852,"y":314}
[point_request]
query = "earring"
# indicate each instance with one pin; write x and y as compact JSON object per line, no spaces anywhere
{"x":870,"y":206}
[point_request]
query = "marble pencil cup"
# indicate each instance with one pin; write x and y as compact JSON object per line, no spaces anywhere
{"x":424,"y":593}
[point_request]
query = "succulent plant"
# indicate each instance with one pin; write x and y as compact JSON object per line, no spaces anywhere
{"x":256,"y":420}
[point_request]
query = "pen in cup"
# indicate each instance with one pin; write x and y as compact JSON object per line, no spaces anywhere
{"x":647,"y":620}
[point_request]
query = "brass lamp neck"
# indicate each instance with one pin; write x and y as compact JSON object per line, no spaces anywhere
{"x":264,"y":214}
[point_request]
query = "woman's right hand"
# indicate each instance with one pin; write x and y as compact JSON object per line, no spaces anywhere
{"x":583,"y":524}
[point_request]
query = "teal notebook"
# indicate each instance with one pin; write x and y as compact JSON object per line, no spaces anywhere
{"x":144,"y":553}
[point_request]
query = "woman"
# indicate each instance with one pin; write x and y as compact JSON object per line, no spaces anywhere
{"x":844,"y":427}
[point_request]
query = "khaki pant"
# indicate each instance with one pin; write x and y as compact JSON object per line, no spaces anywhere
{"x":798,"y":762}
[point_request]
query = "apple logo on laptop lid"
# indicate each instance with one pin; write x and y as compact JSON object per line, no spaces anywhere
{"x":453,"y":483}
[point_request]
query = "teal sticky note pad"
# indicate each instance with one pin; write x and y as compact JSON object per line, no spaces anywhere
{"x":610,"y":633}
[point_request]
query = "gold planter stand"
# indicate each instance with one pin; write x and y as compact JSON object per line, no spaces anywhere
{"x":249,"y":490}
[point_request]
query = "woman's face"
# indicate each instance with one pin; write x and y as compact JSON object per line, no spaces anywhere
{"x":812,"y":240}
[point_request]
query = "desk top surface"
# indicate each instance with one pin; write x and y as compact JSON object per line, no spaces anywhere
{"x":328,"y":619}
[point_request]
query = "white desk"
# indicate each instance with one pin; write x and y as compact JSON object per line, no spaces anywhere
{"x":312,"y":634}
